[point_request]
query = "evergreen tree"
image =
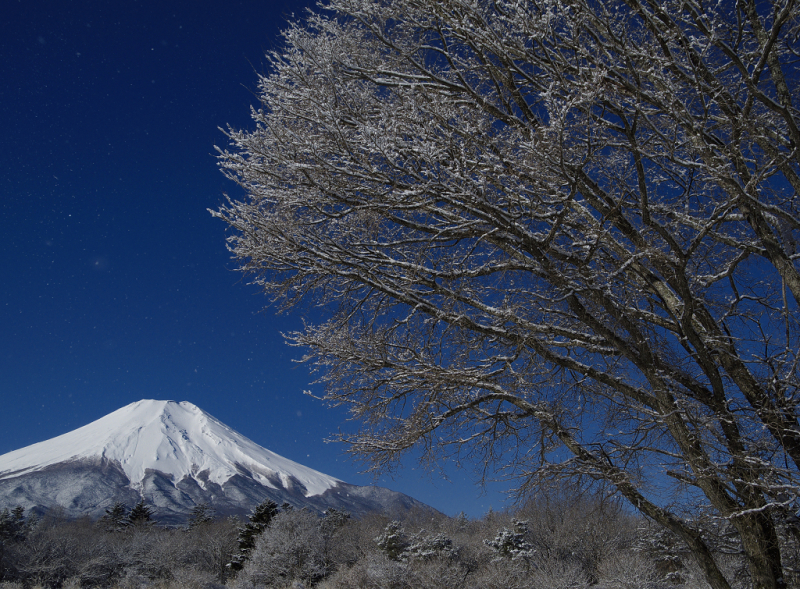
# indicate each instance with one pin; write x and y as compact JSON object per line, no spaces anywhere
{"x":333,"y":520}
{"x":13,"y":525}
{"x":116,"y":517}
{"x":141,"y":514}
{"x":5,"y":523}
{"x":259,"y":521}
{"x":202,"y":513}
{"x":428,"y":546}
{"x":512,"y":543}
{"x":393,"y":541}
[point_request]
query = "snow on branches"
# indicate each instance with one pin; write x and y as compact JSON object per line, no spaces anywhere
{"x":558,"y":239}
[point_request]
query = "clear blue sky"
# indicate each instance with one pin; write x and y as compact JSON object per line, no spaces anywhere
{"x":116,"y":282}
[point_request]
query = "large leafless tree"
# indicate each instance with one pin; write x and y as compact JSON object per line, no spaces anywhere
{"x":555,"y":237}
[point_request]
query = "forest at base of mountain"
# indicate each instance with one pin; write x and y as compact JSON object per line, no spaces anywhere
{"x":546,"y":544}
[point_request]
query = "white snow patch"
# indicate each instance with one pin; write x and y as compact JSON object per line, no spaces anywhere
{"x":285,"y":480}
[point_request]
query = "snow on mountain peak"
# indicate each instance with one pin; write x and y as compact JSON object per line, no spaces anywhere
{"x":178,"y":439}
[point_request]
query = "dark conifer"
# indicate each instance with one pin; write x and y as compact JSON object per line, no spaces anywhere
{"x":202,"y":513}
{"x":116,"y":517}
{"x":141,"y":514}
{"x":12,"y":524}
{"x":259,"y":521}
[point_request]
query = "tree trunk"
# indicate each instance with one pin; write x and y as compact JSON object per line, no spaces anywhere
{"x":762,"y":549}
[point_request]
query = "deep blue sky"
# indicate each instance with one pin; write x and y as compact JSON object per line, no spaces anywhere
{"x":116,"y":282}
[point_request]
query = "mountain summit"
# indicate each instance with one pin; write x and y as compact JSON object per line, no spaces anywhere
{"x":175,"y":439}
{"x":175,"y":456}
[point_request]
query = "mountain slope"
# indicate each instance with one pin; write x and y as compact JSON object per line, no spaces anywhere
{"x":175,"y":456}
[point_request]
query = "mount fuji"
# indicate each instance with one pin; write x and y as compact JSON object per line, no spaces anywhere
{"x":174,"y":456}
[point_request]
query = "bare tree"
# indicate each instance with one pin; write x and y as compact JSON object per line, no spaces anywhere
{"x":559,"y":238}
{"x":291,"y":549}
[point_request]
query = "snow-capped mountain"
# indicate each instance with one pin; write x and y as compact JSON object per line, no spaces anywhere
{"x":175,"y":456}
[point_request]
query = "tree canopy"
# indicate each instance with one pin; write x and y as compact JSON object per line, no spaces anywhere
{"x":555,"y":238}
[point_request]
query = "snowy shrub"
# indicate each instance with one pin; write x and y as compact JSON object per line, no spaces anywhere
{"x":628,"y":569}
{"x":290,"y":549}
{"x":731,"y":566}
{"x":512,"y":543}
{"x":438,"y":573}
{"x":500,"y":574}
{"x":428,"y":546}
{"x":374,"y":571}
{"x":555,"y":573}
{"x":353,"y":541}
{"x":191,"y":578}
{"x":582,"y":529}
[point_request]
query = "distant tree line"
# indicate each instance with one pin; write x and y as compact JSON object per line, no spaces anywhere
{"x":553,"y":542}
